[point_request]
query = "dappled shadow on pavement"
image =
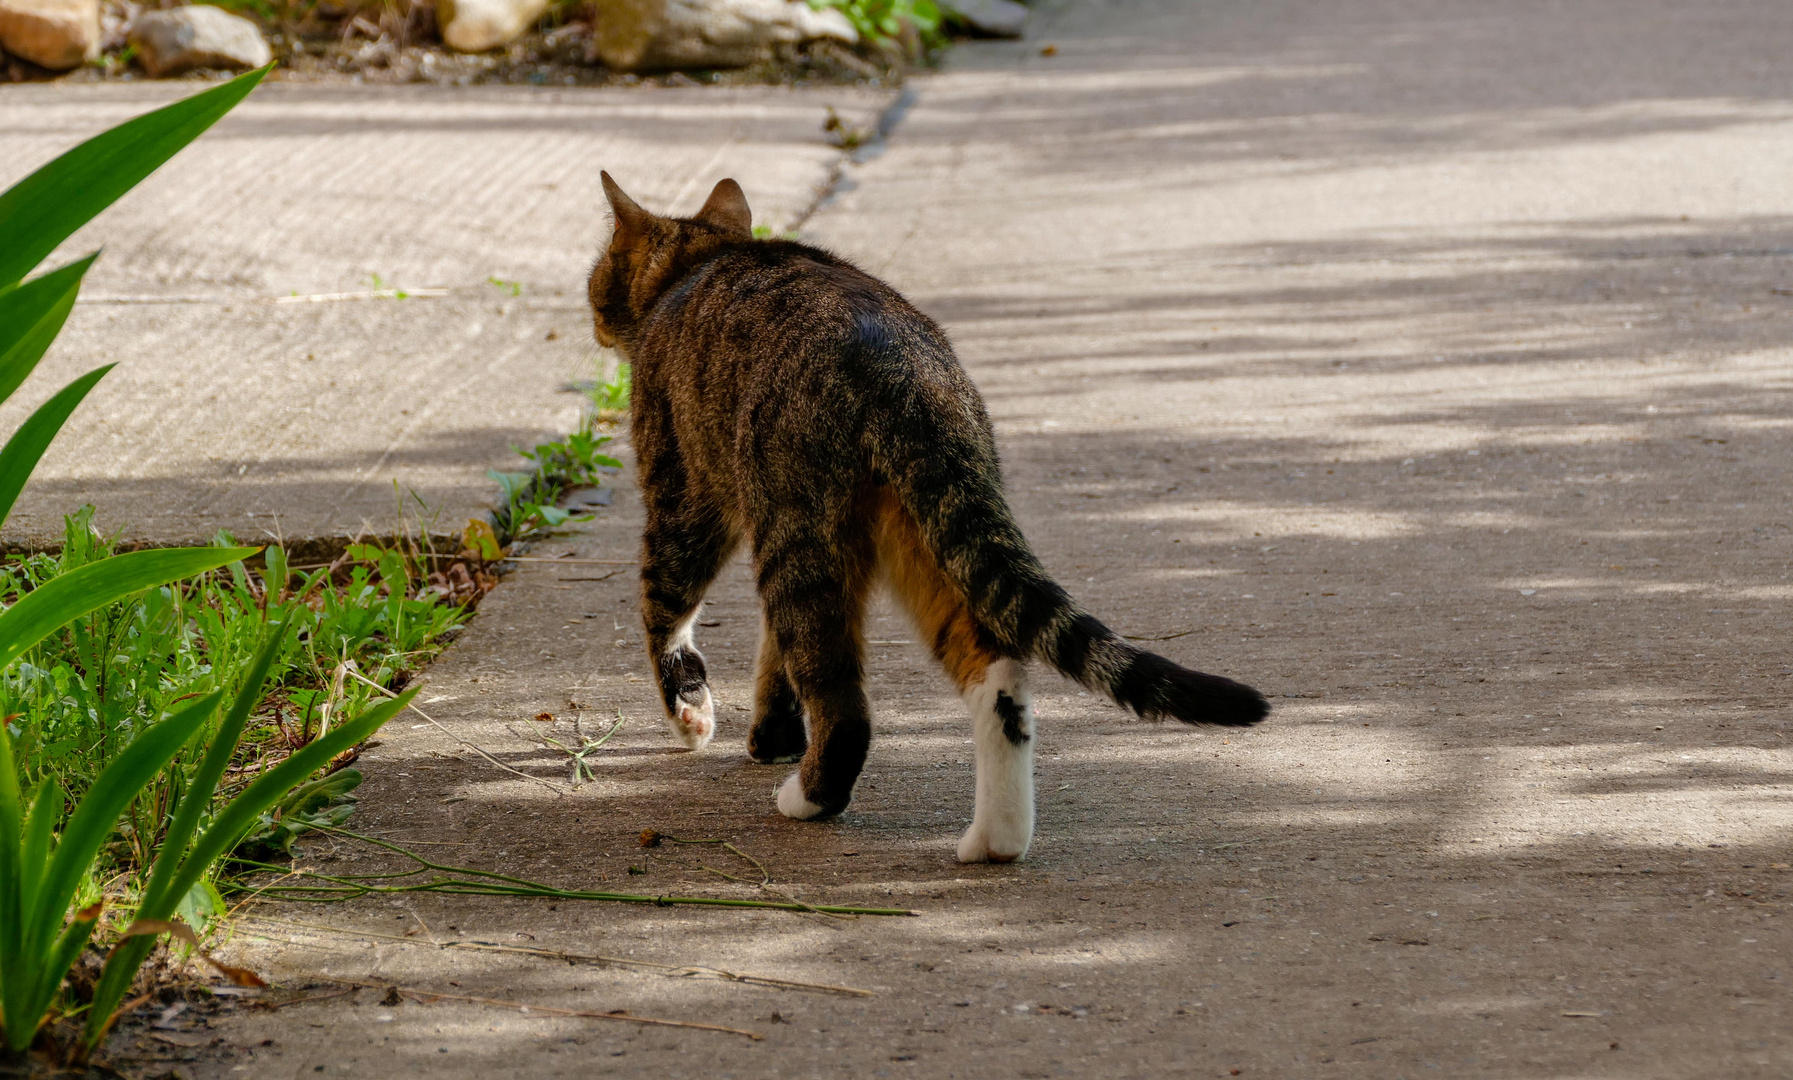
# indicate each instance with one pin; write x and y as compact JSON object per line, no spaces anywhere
{"x":1359,"y":351}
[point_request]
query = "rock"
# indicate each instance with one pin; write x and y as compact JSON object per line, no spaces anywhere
{"x":657,"y":35}
{"x":57,"y":34}
{"x":991,"y":18}
{"x":200,"y":36}
{"x":478,"y":25}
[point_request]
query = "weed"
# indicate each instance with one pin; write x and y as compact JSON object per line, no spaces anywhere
{"x":514,"y":288}
{"x":610,"y":397}
{"x":526,"y":508}
{"x":883,"y":20}
{"x":385,"y":290}
{"x":111,"y":677}
{"x":764,"y":232}
{"x":92,"y":689}
{"x":844,"y":135}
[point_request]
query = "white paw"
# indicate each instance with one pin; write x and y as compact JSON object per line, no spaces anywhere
{"x":1000,"y":843}
{"x":791,"y":802}
{"x":694,"y":724}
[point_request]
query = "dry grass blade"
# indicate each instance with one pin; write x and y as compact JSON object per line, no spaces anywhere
{"x":150,"y":927}
{"x":466,"y":881}
{"x":369,"y":294}
{"x":669,"y":970}
{"x":427,"y":996}
{"x":650,"y":838}
{"x":555,"y":788}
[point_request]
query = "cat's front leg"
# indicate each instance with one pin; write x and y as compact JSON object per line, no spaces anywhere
{"x":685,"y":687}
{"x":1003,"y":729}
{"x":682,"y":549}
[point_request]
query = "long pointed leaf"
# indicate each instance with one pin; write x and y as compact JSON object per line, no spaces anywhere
{"x":34,"y":859}
{"x":226,"y":829}
{"x":14,"y":973}
{"x":45,"y":609}
{"x":205,"y":781}
{"x":28,"y":443}
{"x":45,"y":208}
{"x":60,"y":958}
{"x":97,"y":815}
{"x":31,"y":315}
{"x":236,"y":818}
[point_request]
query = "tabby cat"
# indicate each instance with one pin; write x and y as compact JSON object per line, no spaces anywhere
{"x":787,"y":398}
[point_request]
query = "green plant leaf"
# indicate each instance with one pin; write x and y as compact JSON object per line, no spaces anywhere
{"x":46,"y":811}
{"x":31,"y":315}
{"x":13,"y":974}
{"x":167,"y":884}
{"x":200,"y":906}
{"x":45,"y":208}
{"x":228,"y":826}
{"x":27,"y":445}
{"x":31,"y":974}
{"x":45,"y":609}
{"x":205,"y":781}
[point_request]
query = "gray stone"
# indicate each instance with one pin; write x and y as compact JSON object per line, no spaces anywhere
{"x":478,"y":25}
{"x":199,"y":36}
{"x":991,"y":18}
{"x":659,"y":35}
{"x":57,"y":34}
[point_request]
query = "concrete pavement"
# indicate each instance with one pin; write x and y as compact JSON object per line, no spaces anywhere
{"x":231,"y":409}
{"x":1426,"y":365}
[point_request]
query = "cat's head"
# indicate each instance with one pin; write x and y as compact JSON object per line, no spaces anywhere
{"x":649,"y":253}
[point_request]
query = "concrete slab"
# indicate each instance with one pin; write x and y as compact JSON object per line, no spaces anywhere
{"x":231,"y":408}
{"x":1357,"y":349}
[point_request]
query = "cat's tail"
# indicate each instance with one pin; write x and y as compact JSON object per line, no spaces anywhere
{"x":952,"y":488}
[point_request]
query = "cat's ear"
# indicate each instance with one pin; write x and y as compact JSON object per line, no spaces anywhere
{"x":727,"y":207}
{"x":630,"y":217}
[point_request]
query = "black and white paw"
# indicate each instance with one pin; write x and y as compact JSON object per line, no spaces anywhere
{"x":692,"y":717}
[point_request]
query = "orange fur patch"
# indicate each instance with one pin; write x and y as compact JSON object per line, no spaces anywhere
{"x":935,"y":603}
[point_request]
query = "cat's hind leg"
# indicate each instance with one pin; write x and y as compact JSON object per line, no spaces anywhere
{"x":778,"y":734}
{"x":1002,"y":729}
{"x":682,"y":551}
{"x":993,"y":686}
{"x":813,"y":581}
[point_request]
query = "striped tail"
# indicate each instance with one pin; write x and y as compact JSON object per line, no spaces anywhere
{"x":953,"y":489}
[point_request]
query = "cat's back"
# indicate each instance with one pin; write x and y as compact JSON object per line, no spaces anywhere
{"x":775,"y":299}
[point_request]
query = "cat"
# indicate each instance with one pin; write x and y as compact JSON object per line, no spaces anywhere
{"x":784,"y":397}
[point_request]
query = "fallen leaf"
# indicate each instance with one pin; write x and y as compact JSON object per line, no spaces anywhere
{"x":1581,"y":1014}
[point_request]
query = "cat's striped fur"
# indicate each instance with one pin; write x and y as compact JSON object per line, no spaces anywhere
{"x":784,"y":397}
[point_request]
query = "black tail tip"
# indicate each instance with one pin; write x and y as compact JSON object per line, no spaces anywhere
{"x":1195,"y":697}
{"x":1231,"y":704}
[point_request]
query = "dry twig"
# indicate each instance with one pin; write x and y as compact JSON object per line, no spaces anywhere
{"x":555,"y":788}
